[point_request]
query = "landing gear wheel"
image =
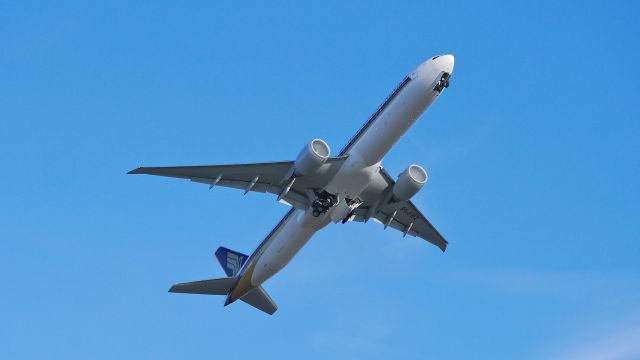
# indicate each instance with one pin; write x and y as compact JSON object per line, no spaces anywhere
{"x":446,"y":84}
{"x":322,"y":203}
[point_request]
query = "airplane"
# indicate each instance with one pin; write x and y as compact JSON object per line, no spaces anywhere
{"x":322,"y":189}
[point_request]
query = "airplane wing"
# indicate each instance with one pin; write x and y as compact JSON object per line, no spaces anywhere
{"x":403,"y":215}
{"x":272,"y":177}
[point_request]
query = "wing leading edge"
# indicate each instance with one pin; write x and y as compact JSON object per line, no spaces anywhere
{"x":273,"y":177}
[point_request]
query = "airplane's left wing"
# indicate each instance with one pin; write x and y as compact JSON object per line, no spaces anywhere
{"x":403,"y":215}
{"x":273,"y":177}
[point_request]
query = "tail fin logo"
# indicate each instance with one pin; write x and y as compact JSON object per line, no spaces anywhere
{"x":234,"y":262}
{"x":230,"y":261}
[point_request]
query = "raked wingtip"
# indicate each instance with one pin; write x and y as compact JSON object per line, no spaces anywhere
{"x":136,"y":171}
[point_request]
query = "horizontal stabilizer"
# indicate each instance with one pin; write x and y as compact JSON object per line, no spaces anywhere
{"x":259,"y":299}
{"x":231,"y":261}
{"x":205,"y":287}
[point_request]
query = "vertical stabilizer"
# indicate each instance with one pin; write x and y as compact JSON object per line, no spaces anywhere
{"x":231,"y":261}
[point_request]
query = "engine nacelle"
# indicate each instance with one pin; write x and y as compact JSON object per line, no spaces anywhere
{"x":409,"y":183}
{"x":312,"y":156}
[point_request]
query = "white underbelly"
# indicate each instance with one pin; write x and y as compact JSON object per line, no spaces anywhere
{"x":353,"y":177}
{"x":286,"y":243}
{"x":366,"y":155}
{"x":393,"y":123}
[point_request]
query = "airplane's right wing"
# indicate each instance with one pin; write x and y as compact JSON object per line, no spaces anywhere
{"x":273,"y":177}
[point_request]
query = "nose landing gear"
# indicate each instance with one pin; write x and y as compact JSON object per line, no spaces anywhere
{"x":442,"y":83}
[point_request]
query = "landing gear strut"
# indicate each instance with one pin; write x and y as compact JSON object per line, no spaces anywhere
{"x":323,"y":203}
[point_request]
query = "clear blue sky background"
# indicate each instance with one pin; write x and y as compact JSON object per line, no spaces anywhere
{"x":532,"y":155}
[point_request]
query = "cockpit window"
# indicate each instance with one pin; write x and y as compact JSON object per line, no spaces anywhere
{"x":435,"y":57}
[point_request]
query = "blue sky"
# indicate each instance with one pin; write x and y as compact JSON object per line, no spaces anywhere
{"x":532,"y":154}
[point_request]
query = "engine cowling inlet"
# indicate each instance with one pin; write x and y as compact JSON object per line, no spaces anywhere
{"x":409,"y":182}
{"x":312,"y":156}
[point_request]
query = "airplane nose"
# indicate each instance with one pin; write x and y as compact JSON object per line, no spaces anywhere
{"x":445,"y":63}
{"x":429,"y":70}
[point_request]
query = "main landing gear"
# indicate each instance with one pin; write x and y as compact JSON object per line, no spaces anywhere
{"x":323,"y":203}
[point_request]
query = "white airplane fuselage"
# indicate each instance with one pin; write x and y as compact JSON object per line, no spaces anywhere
{"x":365,"y":153}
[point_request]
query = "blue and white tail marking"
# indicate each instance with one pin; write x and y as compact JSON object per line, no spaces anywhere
{"x":231,"y":261}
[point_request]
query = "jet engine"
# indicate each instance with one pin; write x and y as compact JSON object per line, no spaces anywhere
{"x":312,"y":156}
{"x":409,"y":182}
